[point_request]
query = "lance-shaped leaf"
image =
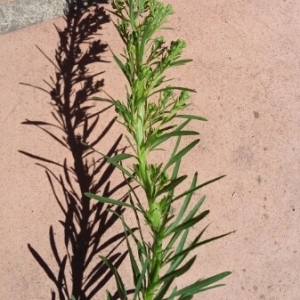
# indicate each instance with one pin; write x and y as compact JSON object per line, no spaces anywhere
{"x":201,"y":285}
{"x":177,"y":272}
{"x":119,"y":157}
{"x":119,"y":281}
{"x":109,"y":296}
{"x":180,"y":154}
{"x":194,"y":245}
{"x":178,"y":88}
{"x":156,"y":141}
{"x":171,"y":186}
{"x":176,"y":262}
{"x":185,"y":204}
{"x":197,"y":188}
{"x":116,"y":164}
{"x":180,"y":62}
{"x":122,"y":67}
{"x":109,"y":200}
{"x":191,"y":117}
{"x":189,"y":223}
{"x":186,"y":297}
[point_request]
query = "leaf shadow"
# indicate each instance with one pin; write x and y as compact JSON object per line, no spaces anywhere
{"x":84,"y":221}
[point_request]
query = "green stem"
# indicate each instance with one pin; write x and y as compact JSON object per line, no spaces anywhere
{"x":155,"y":266}
{"x":154,"y":216}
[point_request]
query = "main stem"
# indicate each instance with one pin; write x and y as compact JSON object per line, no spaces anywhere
{"x":155,"y":266}
{"x":139,"y":107}
{"x":154,"y":217}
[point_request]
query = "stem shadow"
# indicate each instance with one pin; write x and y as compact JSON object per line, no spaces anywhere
{"x":84,"y":221}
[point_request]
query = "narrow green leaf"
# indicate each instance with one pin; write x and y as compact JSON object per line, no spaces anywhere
{"x":192,"y":117}
{"x":182,"y":125}
{"x":193,"y":246}
{"x":130,"y":143}
{"x":174,"y":175}
{"x":122,"y":67}
{"x":156,"y":141}
{"x":141,"y":246}
{"x":109,"y":200}
{"x":197,"y":187}
{"x":171,"y":186}
{"x":171,"y":298}
{"x":159,"y":81}
{"x":118,"y":15}
{"x":178,"y":88}
{"x":119,"y":157}
{"x":167,"y":28}
{"x":140,"y":6}
{"x":138,"y":276}
{"x":108,"y":296}
{"x":195,"y":209}
{"x":167,"y":254}
{"x":185,"y":204}
{"x":132,"y":14}
{"x":176,"y":262}
{"x":188,"y":223}
{"x":199,"y":286}
{"x":120,"y":284}
{"x":139,"y":287}
{"x":164,"y":289}
{"x":102,"y":99}
{"x":180,"y":62}
{"x":135,"y":269}
{"x":177,"y":259}
{"x":183,"y":209}
{"x":166,"y":128}
{"x":180,"y":154}
{"x":177,"y":165}
{"x":179,"y":271}
{"x":146,"y":36}
{"x":175,"y":149}
{"x":119,"y":166}
{"x":212,"y":287}
{"x":186,"y":297}
{"x":124,"y":39}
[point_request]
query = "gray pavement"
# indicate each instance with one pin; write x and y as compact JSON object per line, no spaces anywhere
{"x":17,"y":14}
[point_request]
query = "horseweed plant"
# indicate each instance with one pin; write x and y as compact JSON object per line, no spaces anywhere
{"x":149,"y":114}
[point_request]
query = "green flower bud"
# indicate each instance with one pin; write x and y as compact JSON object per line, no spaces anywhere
{"x":176,"y":49}
{"x":118,"y":4}
{"x":152,"y":107}
{"x":146,"y":72}
{"x":158,"y":42}
{"x":155,"y":216}
{"x":167,"y":93}
{"x":184,"y":96}
{"x":164,"y":178}
{"x":169,"y":9}
{"x":118,"y":106}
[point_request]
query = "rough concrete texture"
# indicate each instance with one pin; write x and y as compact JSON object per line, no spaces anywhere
{"x":246,"y":72}
{"x":16,"y":14}
{"x":20,"y":13}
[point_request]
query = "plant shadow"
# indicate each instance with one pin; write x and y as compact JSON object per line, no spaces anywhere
{"x":84,"y":221}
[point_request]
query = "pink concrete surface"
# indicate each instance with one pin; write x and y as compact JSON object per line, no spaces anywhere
{"x":246,"y":71}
